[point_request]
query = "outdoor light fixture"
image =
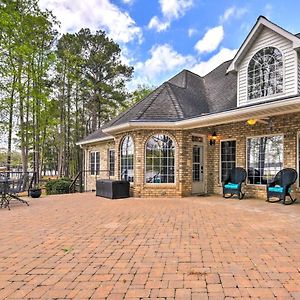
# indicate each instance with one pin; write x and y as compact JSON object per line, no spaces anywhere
{"x":251,"y":122}
{"x":213,"y":138}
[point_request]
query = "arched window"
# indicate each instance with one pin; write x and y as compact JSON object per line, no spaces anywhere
{"x":160,"y":159}
{"x":265,"y":73}
{"x":127,"y":156}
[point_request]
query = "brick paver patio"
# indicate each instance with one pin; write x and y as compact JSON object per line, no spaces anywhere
{"x":82,"y":247}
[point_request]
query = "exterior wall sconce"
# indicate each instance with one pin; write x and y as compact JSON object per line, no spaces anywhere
{"x":213,"y":138}
{"x":251,"y":122}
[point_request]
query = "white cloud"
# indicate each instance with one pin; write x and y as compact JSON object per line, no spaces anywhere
{"x":155,"y":23}
{"x":129,"y":2}
{"x":164,"y":60}
{"x":204,"y":67}
{"x":175,"y":8}
{"x":171,"y":10}
{"x":233,"y":12}
{"x":192,"y":31}
{"x":94,"y":14}
{"x":211,"y":40}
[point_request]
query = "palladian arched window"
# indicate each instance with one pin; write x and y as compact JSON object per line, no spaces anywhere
{"x":160,"y":159}
{"x":265,"y":73}
{"x":127,"y":157}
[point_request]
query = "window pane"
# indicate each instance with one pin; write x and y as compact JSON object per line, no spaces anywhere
{"x":127,"y":150}
{"x":97,"y":162}
{"x":264,"y":158}
{"x":111,"y":162}
{"x":228,"y":158}
{"x":160,"y":162}
{"x":265,"y":73}
{"x":92,"y":163}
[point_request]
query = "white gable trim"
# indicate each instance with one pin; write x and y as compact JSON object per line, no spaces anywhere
{"x":256,"y":30}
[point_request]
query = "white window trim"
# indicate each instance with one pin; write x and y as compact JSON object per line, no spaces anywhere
{"x":220,"y":155}
{"x":175,"y":161}
{"x":258,"y":136}
{"x":274,"y":96}
{"x":89,"y":165}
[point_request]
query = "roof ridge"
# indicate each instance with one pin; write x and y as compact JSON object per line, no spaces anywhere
{"x":124,"y":113}
{"x":185,"y":79}
{"x":224,"y":62}
{"x":177,"y":106}
{"x":158,"y":91}
{"x":193,"y":73}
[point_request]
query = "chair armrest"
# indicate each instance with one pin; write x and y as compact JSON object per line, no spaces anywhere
{"x":226,"y":181}
{"x":271,"y":183}
{"x":287,"y":187}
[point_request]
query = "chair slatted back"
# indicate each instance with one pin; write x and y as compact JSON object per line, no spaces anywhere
{"x":286,"y":177}
{"x":237,"y":175}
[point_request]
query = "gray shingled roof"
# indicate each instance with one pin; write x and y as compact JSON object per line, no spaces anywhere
{"x":184,"y":96}
{"x":98,"y":134}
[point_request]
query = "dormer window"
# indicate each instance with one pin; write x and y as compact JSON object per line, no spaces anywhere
{"x":265,"y":73}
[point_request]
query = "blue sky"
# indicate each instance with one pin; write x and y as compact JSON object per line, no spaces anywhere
{"x":161,"y":37}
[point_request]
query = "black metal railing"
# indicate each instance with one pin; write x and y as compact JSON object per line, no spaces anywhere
{"x":80,"y":184}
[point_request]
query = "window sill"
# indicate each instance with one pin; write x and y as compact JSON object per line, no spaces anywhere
{"x":256,"y":185}
{"x":160,"y":185}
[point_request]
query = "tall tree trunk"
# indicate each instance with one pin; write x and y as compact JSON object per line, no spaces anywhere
{"x":10,"y":123}
{"x":61,"y":152}
{"x":22,"y":124}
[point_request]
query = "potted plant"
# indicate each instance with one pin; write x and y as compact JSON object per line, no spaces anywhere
{"x":35,"y":191}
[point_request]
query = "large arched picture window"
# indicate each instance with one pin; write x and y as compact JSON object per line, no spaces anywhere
{"x":265,"y":73}
{"x":160,"y":159}
{"x":127,"y":156}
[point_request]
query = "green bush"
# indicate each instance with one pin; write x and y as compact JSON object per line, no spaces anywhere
{"x":58,"y":186}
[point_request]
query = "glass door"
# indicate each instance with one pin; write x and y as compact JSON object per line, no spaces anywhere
{"x":198,"y":169}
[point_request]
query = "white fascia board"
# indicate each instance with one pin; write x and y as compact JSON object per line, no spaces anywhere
{"x":103,"y":139}
{"x":132,"y":125}
{"x":242,"y":113}
{"x":235,"y":115}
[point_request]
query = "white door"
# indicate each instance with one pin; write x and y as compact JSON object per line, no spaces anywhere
{"x":198,"y":169}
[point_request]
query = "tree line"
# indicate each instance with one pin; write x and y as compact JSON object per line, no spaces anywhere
{"x":55,"y":89}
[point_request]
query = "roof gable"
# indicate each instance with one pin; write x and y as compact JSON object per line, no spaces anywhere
{"x":260,"y":24}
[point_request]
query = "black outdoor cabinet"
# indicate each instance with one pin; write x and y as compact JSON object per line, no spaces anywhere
{"x":113,"y":189}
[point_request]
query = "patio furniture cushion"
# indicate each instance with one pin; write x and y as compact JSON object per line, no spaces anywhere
{"x":277,"y":189}
{"x":233,"y":186}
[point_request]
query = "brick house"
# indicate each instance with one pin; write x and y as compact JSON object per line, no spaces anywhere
{"x":184,"y":137}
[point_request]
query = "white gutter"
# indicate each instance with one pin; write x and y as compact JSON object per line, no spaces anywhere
{"x":107,"y":138}
{"x":279,"y":107}
{"x":136,"y":124}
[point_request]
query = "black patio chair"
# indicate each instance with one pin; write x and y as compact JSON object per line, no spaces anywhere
{"x":280,"y":186}
{"x":18,"y":187}
{"x":233,"y":183}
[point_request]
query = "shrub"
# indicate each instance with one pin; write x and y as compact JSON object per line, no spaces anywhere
{"x":49,"y":186}
{"x":58,"y":186}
